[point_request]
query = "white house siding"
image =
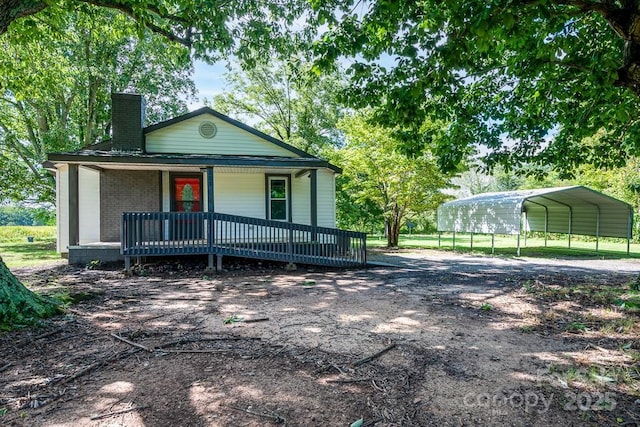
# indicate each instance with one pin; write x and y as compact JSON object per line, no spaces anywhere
{"x":62,"y":208}
{"x":326,"y":198}
{"x":301,"y":199}
{"x":88,"y":205}
{"x":240,"y":194}
{"x":184,"y":138}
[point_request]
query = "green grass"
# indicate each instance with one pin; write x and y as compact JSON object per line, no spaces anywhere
{"x":16,"y":251}
{"x":506,"y":245}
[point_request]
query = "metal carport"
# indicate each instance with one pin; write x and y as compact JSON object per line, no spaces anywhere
{"x":570,"y":210}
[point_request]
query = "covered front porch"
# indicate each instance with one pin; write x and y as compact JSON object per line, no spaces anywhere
{"x":273,"y":209}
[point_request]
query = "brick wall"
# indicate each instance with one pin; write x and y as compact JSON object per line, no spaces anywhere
{"x":126,"y":191}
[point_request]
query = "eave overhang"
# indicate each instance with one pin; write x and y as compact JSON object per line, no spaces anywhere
{"x":128,"y":158}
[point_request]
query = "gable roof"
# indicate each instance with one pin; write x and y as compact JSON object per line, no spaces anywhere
{"x":104,"y":152}
{"x":233,"y":122}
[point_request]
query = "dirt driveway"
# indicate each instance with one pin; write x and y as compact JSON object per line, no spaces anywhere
{"x":436,"y":339}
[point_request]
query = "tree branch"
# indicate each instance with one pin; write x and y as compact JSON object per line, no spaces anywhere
{"x":10,"y":10}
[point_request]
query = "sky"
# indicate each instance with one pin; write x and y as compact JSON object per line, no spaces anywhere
{"x":209,"y":80}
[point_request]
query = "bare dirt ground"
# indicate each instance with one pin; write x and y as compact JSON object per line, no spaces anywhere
{"x":469,"y":341}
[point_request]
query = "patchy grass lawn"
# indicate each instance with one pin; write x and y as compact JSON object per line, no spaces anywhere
{"x":17,"y":251}
{"x":606,"y":316}
{"x":506,"y":245}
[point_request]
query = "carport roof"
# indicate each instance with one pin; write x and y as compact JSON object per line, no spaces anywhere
{"x":575,"y":196}
{"x":576,"y":209}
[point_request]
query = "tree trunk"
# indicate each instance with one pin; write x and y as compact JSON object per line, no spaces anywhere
{"x":18,"y":305}
{"x":393,"y":232}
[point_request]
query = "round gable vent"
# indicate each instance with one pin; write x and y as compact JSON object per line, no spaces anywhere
{"x":208,"y":129}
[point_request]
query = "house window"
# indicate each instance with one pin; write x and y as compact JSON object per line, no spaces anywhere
{"x":278,"y":198}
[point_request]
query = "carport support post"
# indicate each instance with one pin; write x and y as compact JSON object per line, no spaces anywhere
{"x":471,"y":241}
{"x":525,"y":228}
{"x":492,"y":241}
{"x":629,"y":229}
{"x":598,"y":228}
{"x":570,"y":224}
{"x":546,"y":225}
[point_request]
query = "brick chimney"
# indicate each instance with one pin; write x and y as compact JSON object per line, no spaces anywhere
{"x":127,"y":121}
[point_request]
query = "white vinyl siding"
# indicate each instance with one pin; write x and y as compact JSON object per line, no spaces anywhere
{"x":62,"y":208}
{"x":240,"y":194}
{"x":184,"y":138}
{"x":245,"y":194}
{"x":326,"y":198}
{"x":301,"y":199}
{"x":88,"y":205}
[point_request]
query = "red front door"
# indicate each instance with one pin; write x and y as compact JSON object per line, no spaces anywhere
{"x":186,"y":196}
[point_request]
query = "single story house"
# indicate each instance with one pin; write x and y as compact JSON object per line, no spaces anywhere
{"x":200,"y":183}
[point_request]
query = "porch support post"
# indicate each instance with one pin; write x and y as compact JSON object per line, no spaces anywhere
{"x":210,"y":211}
{"x":210,"y":193}
{"x":313,"y":183}
{"x":218,"y":262}
{"x":74,"y":224}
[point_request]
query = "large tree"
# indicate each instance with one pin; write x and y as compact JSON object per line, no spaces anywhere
{"x":288,"y":101}
{"x":210,"y":28}
{"x":528,"y":80}
{"x":400,"y":186}
{"x":207,"y":29}
{"x":55,"y":90}
{"x":18,"y":305}
{"x":55,"y":86}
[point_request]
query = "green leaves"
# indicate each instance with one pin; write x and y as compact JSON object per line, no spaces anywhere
{"x":381,"y":177}
{"x":55,"y":88}
{"x":288,"y":100}
{"x":521,"y":83}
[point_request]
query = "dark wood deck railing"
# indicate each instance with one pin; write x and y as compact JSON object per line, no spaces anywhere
{"x":185,"y":233}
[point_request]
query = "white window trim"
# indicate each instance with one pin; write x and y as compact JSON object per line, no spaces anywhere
{"x":287,"y":198}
